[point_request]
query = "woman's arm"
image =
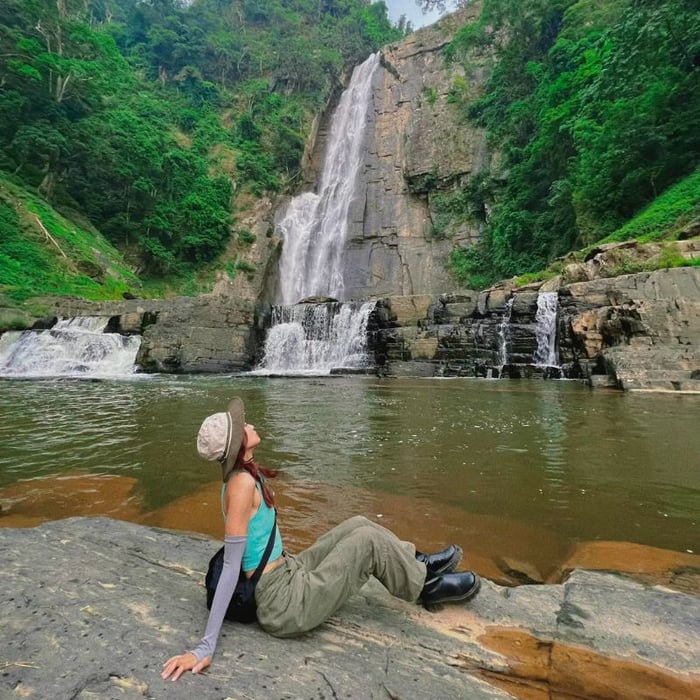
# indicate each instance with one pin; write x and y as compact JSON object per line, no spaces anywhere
{"x":239,"y":499}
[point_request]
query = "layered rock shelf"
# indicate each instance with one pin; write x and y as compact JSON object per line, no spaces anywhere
{"x":638,"y":331}
{"x":93,"y":606}
{"x":634,"y":332}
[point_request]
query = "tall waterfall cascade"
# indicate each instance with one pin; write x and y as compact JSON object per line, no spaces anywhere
{"x":317,"y":338}
{"x":546,"y":330}
{"x":75,"y":347}
{"x":314,"y":226}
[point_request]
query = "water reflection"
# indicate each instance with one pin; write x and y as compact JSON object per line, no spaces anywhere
{"x":470,"y":458}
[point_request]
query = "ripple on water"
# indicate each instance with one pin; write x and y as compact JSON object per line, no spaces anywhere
{"x":555,"y":457}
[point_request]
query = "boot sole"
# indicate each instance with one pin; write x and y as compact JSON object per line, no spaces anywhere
{"x":460,"y":598}
{"x":449,"y":566}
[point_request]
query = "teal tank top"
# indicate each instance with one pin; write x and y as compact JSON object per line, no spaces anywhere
{"x":259,"y":528}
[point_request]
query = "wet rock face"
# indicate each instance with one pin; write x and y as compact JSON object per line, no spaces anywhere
{"x":92,"y":607}
{"x":639,"y":331}
{"x":416,"y":142}
{"x":643,"y":330}
{"x":209,"y":333}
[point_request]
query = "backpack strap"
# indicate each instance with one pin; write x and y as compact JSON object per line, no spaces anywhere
{"x":268,"y":550}
{"x":270,"y":542}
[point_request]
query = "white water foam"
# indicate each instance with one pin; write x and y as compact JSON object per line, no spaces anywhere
{"x":317,"y":338}
{"x":74,"y":347}
{"x":504,"y":335}
{"x":546,"y":330}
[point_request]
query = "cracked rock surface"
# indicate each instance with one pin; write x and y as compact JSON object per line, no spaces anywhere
{"x":92,"y":607}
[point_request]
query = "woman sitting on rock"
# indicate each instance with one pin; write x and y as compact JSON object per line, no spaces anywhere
{"x":297,"y":593}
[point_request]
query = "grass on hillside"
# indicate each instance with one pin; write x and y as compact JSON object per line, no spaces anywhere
{"x":43,"y":253}
{"x":666,"y":217}
{"x":666,"y":220}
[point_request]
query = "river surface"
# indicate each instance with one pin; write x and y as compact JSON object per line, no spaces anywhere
{"x":517,"y":472}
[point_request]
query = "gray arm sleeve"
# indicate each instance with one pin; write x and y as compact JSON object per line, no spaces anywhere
{"x":233,"y":555}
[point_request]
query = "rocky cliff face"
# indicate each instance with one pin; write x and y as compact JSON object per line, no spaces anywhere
{"x":415,"y":141}
{"x":209,"y":333}
{"x":416,"y":137}
{"x":638,"y":331}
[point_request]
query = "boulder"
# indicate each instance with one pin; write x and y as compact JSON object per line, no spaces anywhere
{"x":92,"y":607}
{"x":208,"y":333}
{"x":408,"y":310}
{"x":644,"y":328}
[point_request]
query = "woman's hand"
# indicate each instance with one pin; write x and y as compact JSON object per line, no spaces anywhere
{"x":175,"y":666}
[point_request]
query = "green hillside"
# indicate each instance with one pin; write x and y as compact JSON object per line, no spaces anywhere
{"x":594,"y":106}
{"x":151,"y":125}
{"x":153,"y":120}
{"x":672,"y":215}
{"x":44,"y":253}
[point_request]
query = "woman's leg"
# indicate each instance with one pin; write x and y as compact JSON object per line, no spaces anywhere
{"x":299,"y":598}
{"x":313,"y":556}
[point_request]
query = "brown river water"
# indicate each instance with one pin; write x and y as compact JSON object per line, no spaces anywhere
{"x":531,"y":478}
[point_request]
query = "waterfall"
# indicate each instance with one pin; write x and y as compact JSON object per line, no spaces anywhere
{"x":314,"y":226}
{"x":316,"y":338}
{"x":546,"y":330}
{"x":504,"y":334}
{"x":75,"y":347}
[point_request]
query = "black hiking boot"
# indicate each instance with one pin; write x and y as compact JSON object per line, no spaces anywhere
{"x":449,"y":588}
{"x":441,"y":562}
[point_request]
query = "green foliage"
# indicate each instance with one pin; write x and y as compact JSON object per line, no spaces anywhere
{"x":425,"y":182}
{"x":466,"y":203}
{"x":246,"y":237}
{"x":666,"y":216}
{"x":246,"y":266}
{"x":468,"y":265}
{"x":147,"y":116}
{"x":14,"y":323}
{"x":625,"y":262}
{"x":672,"y":257}
{"x":593,"y":105}
{"x":234,"y":266}
{"x":374,"y":26}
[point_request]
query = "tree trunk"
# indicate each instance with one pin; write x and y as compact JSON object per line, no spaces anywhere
{"x":48,"y":184}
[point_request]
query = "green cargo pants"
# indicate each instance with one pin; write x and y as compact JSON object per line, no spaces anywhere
{"x":304,"y":590}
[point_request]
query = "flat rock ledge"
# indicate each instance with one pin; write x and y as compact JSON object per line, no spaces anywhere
{"x":93,"y":606}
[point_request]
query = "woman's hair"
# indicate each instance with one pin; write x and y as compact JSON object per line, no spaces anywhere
{"x":259,"y":473}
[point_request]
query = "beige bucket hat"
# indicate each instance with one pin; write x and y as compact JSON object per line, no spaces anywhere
{"x":221,"y":436}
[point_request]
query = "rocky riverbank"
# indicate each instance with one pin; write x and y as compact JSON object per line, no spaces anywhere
{"x":637,"y":332}
{"x":93,"y":606}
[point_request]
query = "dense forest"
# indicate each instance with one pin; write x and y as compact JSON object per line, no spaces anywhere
{"x":149,"y":118}
{"x":595,"y":108}
{"x":152,"y":122}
